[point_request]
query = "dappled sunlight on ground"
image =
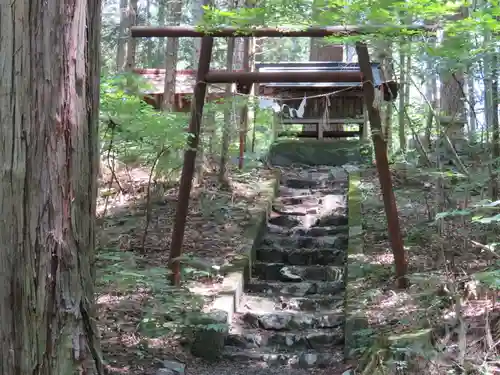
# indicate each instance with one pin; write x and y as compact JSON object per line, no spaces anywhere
{"x":382,"y":258}
{"x":440,"y":270}
{"x":140,"y":314}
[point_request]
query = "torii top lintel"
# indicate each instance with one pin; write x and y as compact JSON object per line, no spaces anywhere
{"x":228,"y":32}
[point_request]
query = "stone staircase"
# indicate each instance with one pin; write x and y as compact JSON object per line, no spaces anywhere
{"x":292,"y":312}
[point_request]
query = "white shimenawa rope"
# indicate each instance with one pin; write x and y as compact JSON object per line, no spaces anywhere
{"x":378,"y":97}
{"x":323,"y":125}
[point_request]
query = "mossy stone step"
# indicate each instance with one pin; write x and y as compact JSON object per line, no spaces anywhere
{"x":289,"y":321}
{"x":300,"y":230}
{"x":334,"y":188}
{"x":301,"y":257}
{"x":303,"y":183}
{"x":275,"y":358}
{"x":300,"y":289}
{"x":285,"y":272}
{"x":311,"y":303}
{"x":303,"y":340}
{"x":339,"y":241}
{"x":322,"y":231}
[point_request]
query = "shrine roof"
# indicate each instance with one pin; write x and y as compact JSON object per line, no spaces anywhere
{"x":316,"y":66}
{"x":184,"y":84}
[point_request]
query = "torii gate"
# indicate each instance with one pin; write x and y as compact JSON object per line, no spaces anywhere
{"x":245,"y":81}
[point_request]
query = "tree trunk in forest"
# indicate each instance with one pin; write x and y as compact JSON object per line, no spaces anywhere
{"x":472,"y":103}
{"x":246,"y":45}
{"x":244,"y":109}
{"x":387,"y":66}
{"x":211,"y":125}
{"x":160,"y":51}
{"x":122,"y":36}
{"x":197,"y":12}
{"x":315,"y":42}
{"x":149,"y":41}
{"x":319,"y":49}
{"x":487,"y":81}
{"x":226,"y":131}
{"x":323,"y":51}
{"x":431,"y":94}
{"x":132,"y":42}
{"x":452,"y":99}
{"x":495,"y":138}
{"x":471,"y":113}
{"x":49,"y":153}
{"x":404,"y":57}
{"x":200,"y":164}
{"x":491,"y":101}
{"x":171,"y":59}
{"x":383,"y":54}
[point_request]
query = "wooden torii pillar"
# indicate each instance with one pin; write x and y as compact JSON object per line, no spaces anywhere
{"x":204,"y":76}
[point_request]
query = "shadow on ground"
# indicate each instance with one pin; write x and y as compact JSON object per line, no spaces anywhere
{"x":142,"y":318}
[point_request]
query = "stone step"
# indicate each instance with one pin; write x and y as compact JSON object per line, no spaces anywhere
{"x":289,"y":321}
{"x":301,"y":289}
{"x":300,"y":359}
{"x":332,"y":220}
{"x":311,"y":303}
{"x":285,"y":272}
{"x":329,"y":173}
{"x":284,"y":221}
{"x":307,"y":232}
{"x":286,"y":341}
{"x":335,"y":188}
{"x":303,"y":183}
{"x":339,"y":241}
{"x":322,"y":231}
{"x":301,"y":257}
{"x":310,"y":219}
{"x":299,"y":200}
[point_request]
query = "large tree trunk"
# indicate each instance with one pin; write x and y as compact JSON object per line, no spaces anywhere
{"x":49,"y":84}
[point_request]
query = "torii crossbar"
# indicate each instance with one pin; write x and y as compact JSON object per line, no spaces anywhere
{"x":204,"y":76}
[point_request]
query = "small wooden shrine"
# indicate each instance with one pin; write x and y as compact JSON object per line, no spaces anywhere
{"x":184,"y":85}
{"x":326,"y":109}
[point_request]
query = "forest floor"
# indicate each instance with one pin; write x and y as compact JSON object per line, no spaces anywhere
{"x":447,"y":320}
{"x":140,"y":315}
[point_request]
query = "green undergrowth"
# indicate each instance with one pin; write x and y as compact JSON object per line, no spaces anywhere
{"x":394,"y":331}
{"x":165,"y":309}
{"x":125,"y":273}
{"x":133,"y":133}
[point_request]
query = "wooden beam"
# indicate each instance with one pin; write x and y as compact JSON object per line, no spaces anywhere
{"x":384,"y":173}
{"x":298,"y":121}
{"x":314,"y":134}
{"x":228,"y":32}
{"x":290,"y":76}
{"x":188,"y":167}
